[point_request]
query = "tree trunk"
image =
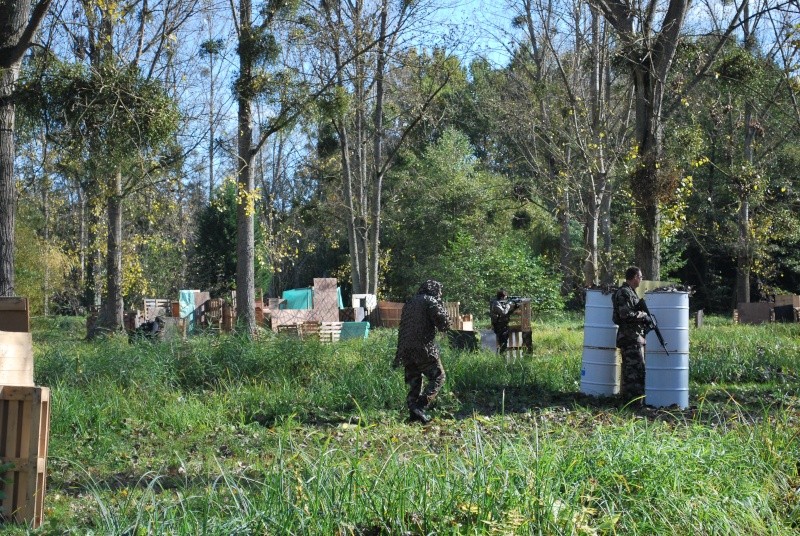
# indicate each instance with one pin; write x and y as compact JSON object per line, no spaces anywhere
{"x":113,"y":304}
{"x":650,"y":54}
{"x":377,"y":157}
{"x":606,"y":266}
{"x":110,"y":317}
{"x":347,"y":188}
{"x":46,"y":213}
{"x":565,"y":243}
{"x":8,"y":196}
{"x":17,"y":27}
{"x":743,"y":255}
{"x":245,"y":208}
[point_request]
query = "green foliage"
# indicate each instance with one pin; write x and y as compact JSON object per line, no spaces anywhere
{"x":214,"y":257}
{"x":449,"y":221}
{"x":472,"y":271}
{"x":37,"y":261}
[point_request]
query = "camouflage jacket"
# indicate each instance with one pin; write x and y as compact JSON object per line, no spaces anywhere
{"x":422,"y":316}
{"x":626,"y":315}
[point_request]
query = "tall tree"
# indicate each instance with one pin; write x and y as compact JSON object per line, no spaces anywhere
{"x":365,"y":43}
{"x":648,"y":47}
{"x":18,"y":24}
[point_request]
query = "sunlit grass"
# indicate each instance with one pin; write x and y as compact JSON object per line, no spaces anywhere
{"x":222,"y":435}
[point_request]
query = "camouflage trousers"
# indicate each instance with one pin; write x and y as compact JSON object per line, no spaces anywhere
{"x":633,"y":369}
{"x":419,"y":398}
{"x":502,"y":332}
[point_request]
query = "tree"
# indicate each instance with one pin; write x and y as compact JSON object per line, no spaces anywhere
{"x":363,"y":43}
{"x":18,"y":24}
{"x":648,"y":49}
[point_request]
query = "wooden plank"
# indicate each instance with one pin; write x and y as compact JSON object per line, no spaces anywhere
{"x":16,"y":358}
{"x":309,"y":329}
{"x":787,"y":299}
{"x":454,"y":314}
{"x":330,"y":331}
{"x":755,"y":312}
{"x":24,"y":439}
{"x":13,"y":304}
{"x":14,"y":315}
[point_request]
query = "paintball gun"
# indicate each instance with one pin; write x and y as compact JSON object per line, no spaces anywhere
{"x":653,"y":325}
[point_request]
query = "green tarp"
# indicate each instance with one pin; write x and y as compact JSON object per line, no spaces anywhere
{"x":303,"y":298}
{"x":354,"y":330}
{"x":299,"y":298}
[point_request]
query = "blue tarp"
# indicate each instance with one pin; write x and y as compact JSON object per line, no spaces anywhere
{"x":297,"y":298}
{"x":354,"y":330}
{"x":303,"y":298}
{"x":187,"y":307}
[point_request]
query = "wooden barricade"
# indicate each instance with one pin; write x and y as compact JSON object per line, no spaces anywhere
{"x":289,"y":329}
{"x":213,"y":308}
{"x":309,"y":329}
{"x":330,"y":331}
{"x":16,"y":358}
{"x":24,"y":434}
{"x":154,"y":307}
{"x":521,"y":317}
{"x":515,"y":346}
{"x":14,"y":315}
{"x":389,"y":313}
{"x":454,"y":314}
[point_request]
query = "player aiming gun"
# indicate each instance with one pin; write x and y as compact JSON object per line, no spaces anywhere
{"x":500,"y":309}
{"x":653,"y":324}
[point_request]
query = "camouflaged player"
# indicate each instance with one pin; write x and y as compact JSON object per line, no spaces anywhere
{"x":631,"y":334}
{"x":417,"y":350}
{"x":500,"y":309}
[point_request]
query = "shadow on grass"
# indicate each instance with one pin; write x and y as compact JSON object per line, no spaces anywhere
{"x":710,"y":406}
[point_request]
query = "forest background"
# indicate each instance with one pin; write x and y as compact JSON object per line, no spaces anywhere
{"x":539,"y":146}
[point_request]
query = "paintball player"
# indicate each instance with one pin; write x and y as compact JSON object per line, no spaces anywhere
{"x":417,"y":350}
{"x":500,"y":309}
{"x":633,"y":324}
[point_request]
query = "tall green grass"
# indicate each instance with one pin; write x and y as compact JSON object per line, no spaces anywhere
{"x":224,"y":435}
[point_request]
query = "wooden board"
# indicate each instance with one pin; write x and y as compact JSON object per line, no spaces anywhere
{"x":16,"y":358}
{"x":330,"y":331}
{"x":754,"y":313}
{"x":15,"y":315}
{"x":24,"y":438}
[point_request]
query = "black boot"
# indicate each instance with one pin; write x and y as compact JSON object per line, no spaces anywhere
{"x":417,"y":415}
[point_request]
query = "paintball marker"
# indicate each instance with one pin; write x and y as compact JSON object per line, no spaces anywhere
{"x":653,"y":325}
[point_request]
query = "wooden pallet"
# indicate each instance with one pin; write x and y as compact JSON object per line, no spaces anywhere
{"x":24,"y":435}
{"x":330,"y":331}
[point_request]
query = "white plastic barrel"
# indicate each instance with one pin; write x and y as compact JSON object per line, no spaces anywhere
{"x":667,"y":376}
{"x":600,"y":367}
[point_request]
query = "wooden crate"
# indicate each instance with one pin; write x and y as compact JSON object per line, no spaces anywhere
{"x":14,"y":315}
{"x":24,"y":435}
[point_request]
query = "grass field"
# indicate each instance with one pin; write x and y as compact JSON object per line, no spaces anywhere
{"x":221,"y":435}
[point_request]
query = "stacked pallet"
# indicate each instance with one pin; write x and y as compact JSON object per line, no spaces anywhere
{"x":24,"y":420}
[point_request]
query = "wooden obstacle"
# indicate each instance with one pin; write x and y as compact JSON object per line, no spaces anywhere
{"x":330,"y":331}
{"x":24,"y":433}
{"x":15,"y":315}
